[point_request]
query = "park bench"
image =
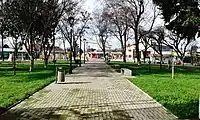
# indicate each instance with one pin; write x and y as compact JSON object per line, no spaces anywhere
{"x":126,"y":72}
{"x":116,"y":66}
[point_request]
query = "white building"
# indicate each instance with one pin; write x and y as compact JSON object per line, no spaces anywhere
{"x":151,"y":53}
{"x":8,"y":54}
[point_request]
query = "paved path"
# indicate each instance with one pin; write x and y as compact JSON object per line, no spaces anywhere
{"x":94,"y":92}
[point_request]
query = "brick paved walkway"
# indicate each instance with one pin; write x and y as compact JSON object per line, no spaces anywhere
{"x":94,"y":92}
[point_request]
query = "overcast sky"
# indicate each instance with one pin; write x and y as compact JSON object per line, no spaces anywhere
{"x":91,"y":4}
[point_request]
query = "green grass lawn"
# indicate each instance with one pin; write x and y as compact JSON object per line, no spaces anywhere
{"x":16,"y":88}
{"x":180,"y":96}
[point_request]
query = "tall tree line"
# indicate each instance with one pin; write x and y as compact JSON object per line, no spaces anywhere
{"x":35,"y":23}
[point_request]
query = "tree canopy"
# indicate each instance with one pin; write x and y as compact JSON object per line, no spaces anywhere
{"x":181,"y":16}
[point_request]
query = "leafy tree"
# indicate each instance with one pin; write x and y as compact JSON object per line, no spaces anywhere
{"x":36,"y":21}
{"x":24,"y":14}
{"x":51,"y":12}
{"x":181,"y":16}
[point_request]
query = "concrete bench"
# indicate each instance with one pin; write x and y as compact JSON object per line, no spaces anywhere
{"x":126,"y":72}
{"x":116,"y":66}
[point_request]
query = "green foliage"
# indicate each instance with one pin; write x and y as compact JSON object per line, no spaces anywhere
{"x":180,"y":96}
{"x":35,"y":22}
{"x":177,"y":13}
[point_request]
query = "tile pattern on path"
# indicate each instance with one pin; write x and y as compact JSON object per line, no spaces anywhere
{"x":94,"y":92}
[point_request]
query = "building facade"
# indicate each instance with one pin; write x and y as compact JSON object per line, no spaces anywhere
{"x":151,"y":54}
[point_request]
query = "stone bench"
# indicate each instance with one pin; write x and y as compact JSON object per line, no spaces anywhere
{"x":116,"y":66}
{"x":126,"y":72}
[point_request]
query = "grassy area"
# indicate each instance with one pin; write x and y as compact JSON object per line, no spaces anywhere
{"x":16,"y":88}
{"x":180,"y":96}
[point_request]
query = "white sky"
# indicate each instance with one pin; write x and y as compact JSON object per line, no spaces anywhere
{"x":89,"y":6}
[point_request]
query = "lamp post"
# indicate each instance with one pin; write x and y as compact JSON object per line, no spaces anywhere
{"x":80,"y":52}
{"x":84,"y":49}
{"x":71,"y":23}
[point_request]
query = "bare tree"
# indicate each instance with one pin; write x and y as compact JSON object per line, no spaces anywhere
{"x":82,"y":23}
{"x":140,"y":16}
{"x":101,"y":29}
{"x":119,"y":20}
{"x":157,"y":37}
{"x":145,"y":40}
{"x":136,"y":13}
{"x":178,"y":44}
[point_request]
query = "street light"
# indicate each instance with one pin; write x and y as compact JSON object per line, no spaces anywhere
{"x":80,"y":34}
{"x":80,"y":52}
{"x":71,"y":23}
{"x":84,"y":48}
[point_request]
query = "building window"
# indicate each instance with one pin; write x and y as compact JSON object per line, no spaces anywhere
{"x":129,"y":56}
{"x":129,"y":50}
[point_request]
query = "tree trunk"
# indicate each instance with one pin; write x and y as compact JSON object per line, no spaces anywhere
{"x":182,"y":59}
{"x":125,"y":47}
{"x":137,"y":45}
{"x":144,"y":54}
{"x":64,"y":48}
{"x":70,"y":59}
{"x":104,"y":53}
{"x":161,"y":56}
{"x":161,"y":59}
{"x":138,"y":54}
{"x":31,"y":64}
{"x":149,"y":65}
{"x":45,"y":62}
{"x":192,"y":58}
{"x":74,"y":55}
{"x":134,"y":56}
{"x":45,"y":58}
{"x":124,"y":55}
{"x":14,"y":61}
{"x":2,"y":55}
{"x":31,"y":54}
